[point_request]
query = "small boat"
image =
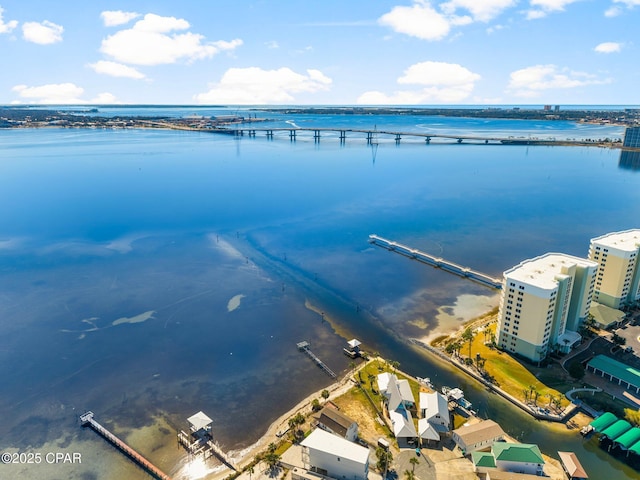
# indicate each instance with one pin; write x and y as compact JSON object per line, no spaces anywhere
{"x":457,"y":395}
{"x":426,"y":381}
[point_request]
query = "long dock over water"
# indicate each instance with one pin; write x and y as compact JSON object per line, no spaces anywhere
{"x":436,"y":262}
{"x":306,"y":348}
{"x":87,"y":420}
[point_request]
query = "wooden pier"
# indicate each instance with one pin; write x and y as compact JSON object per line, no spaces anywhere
{"x":205,"y":447}
{"x":88,"y":420}
{"x":436,"y":262}
{"x":305,"y":347}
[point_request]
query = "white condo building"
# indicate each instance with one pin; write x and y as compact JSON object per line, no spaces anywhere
{"x":618,"y":280}
{"x":544,"y":301}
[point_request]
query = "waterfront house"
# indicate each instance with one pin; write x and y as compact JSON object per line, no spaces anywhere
{"x":435,"y":421}
{"x":333,"y":421}
{"x":479,"y":436}
{"x":332,"y":456}
{"x":510,"y":457}
{"x":398,"y":401}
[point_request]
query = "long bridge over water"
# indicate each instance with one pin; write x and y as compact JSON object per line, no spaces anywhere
{"x":436,"y":262}
{"x":373,"y":136}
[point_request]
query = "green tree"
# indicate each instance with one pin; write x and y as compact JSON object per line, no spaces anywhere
{"x":272,"y":459}
{"x":395,"y":365}
{"x":413,"y":461}
{"x":409,"y":475}
{"x":385,"y":458}
{"x":632,"y":416}
{"x":325,"y":394}
{"x":468,"y":335}
{"x":250,"y":470}
{"x":315,"y":405}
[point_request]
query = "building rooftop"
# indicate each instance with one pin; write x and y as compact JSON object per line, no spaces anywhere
{"x":199,"y":421}
{"x":543,"y":271}
{"x":434,"y":404}
{"x":605,"y":316}
{"x":479,"y":432}
{"x":627,"y":241}
{"x":618,"y":369}
{"x":572,"y":465}
{"x":335,"y":420}
{"x":617,"y":429}
{"x":517,"y":452}
{"x":334,"y":445}
{"x":483,"y":459}
{"x":603,"y":421}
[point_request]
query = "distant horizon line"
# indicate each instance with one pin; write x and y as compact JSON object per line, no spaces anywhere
{"x":318,"y":105}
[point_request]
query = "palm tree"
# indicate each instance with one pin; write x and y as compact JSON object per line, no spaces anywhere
{"x":325,"y":394}
{"x":395,"y":365}
{"x":250,"y":470}
{"x":409,"y":475}
{"x":468,"y":335}
{"x":413,"y":461}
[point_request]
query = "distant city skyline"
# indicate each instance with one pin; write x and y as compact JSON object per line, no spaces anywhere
{"x":401,"y":52}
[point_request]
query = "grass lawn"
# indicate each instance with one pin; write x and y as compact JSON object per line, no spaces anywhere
{"x":516,"y":377}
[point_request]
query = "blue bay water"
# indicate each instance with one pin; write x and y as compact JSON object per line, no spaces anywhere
{"x":99,"y":226}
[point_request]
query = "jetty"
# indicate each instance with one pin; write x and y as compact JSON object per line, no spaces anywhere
{"x":87,"y":420}
{"x":306,"y":348}
{"x":436,"y":262}
{"x":201,"y":442}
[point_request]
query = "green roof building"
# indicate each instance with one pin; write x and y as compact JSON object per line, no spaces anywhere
{"x":510,"y":457}
{"x":629,"y":438}
{"x":603,"y":421}
{"x":616,"y":430}
{"x":615,"y":372}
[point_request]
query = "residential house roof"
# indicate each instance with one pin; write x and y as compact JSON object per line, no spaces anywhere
{"x":427,"y":431}
{"x":334,"y":445}
{"x":517,"y":452}
{"x":479,"y":432}
{"x":483,"y":459}
{"x":572,"y":465}
{"x":335,"y":420}
{"x":434,"y":404}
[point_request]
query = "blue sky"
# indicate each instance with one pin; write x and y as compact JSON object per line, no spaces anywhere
{"x":311,"y":52}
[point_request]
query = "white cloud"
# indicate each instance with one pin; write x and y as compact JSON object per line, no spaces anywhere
{"x":115,"y":69}
{"x":272,"y":44}
{"x":440,"y":82}
{"x":419,"y":20}
{"x":615,"y":10}
{"x":58,"y":94}
{"x":43,"y":33}
{"x":612,"y":11}
{"x":426,"y":22}
{"x":481,"y":10}
{"x":112,"y":18}
{"x":253,"y":85}
{"x":150,"y":42}
{"x":531,"y":81}
{"x":608,"y":47}
{"x":6,"y":27}
{"x":543,"y":7}
{"x":439,"y":74}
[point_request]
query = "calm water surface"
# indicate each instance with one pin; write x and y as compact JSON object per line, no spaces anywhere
{"x":121,"y":252}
